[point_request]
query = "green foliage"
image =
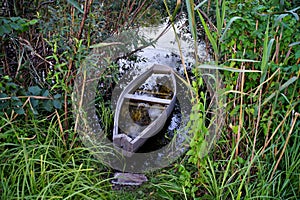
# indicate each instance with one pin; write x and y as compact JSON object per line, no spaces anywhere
{"x":103,"y":105}
{"x":37,"y":165}
{"x":256,"y":47}
{"x":18,"y":99}
{"x":248,"y":33}
{"x":199,"y":130}
{"x":8,"y":25}
{"x":256,"y":36}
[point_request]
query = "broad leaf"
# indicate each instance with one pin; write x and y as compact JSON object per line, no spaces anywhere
{"x":35,"y":90}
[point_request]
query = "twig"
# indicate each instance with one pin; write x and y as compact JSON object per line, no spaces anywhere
{"x":60,"y":128}
{"x":257,"y":124}
{"x":44,"y":3}
{"x":80,"y":101}
{"x":28,"y":45}
{"x":87,"y":7}
{"x":138,"y":10}
{"x":25,"y":97}
{"x":144,"y":46}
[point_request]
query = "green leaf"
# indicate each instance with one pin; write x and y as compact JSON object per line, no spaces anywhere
{"x":76,"y":5}
{"x":228,"y":26}
{"x":294,"y":43}
{"x":297,"y":54}
{"x":200,"y":4}
{"x":45,"y":93}
{"x":4,"y":30}
{"x":35,"y":90}
{"x":34,"y":102}
{"x":19,"y":111}
{"x":3,"y":95}
{"x":57,"y":104}
{"x":14,"y":98}
{"x":241,"y":160}
{"x":191,"y":18}
{"x":15,"y":26}
{"x":32,"y":22}
{"x":266,"y":53}
{"x":57,"y":96}
{"x":205,"y":66}
{"x":209,"y":35}
{"x":4,"y":105}
{"x":6,"y":77}
{"x":218,"y":17}
{"x":235,"y":129}
{"x":243,"y":60}
{"x":282,"y":87}
{"x":47,"y":105}
{"x":11,"y":85}
{"x":15,"y":19}
{"x":17,"y":103}
{"x":35,"y":112}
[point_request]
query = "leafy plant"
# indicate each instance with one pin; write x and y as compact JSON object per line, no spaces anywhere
{"x":15,"y":24}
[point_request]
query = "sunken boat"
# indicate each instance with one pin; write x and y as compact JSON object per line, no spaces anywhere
{"x":143,"y":107}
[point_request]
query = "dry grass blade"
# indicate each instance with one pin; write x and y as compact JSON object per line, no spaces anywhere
{"x":60,"y":128}
{"x":277,"y":128}
{"x":204,"y":66}
{"x":241,"y":111}
{"x":285,"y":144}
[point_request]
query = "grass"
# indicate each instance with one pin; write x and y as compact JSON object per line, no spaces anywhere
{"x":42,"y":167}
{"x":38,"y":165}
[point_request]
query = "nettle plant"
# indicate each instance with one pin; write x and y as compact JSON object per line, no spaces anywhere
{"x":12,"y":24}
{"x":245,"y":38}
{"x":13,"y":96}
{"x":16,"y":99}
{"x":19,"y":94}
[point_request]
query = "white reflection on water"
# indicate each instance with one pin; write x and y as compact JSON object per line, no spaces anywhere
{"x":168,"y":41}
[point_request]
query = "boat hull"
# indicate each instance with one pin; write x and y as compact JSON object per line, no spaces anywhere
{"x":129,"y":134}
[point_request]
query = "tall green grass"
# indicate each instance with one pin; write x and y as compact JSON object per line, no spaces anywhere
{"x":256,"y":156}
{"x":42,"y":167}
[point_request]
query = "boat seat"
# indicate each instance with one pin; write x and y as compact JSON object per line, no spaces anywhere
{"x":148,"y":99}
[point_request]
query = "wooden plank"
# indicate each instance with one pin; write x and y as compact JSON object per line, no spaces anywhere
{"x":148,"y":99}
{"x":153,"y":92}
{"x":153,"y":107}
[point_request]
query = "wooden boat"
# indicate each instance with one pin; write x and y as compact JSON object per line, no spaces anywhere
{"x":142,"y":109}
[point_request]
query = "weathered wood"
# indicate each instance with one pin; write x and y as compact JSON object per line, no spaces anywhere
{"x":147,"y":99}
{"x":150,"y":92}
{"x":129,"y":179}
